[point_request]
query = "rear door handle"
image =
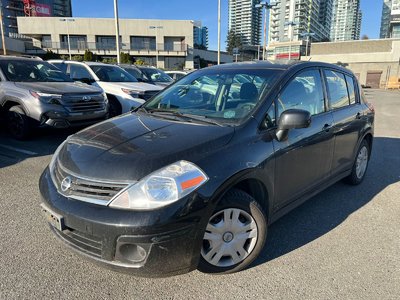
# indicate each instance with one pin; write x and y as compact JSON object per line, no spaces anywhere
{"x":327,"y":127}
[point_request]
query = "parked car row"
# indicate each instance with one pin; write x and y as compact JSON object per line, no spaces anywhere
{"x":62,"y":94}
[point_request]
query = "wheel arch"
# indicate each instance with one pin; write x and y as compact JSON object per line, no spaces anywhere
{"x":8,"y":103}
{"x":252,"y":184}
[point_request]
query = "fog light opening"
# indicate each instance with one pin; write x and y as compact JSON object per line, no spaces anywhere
{"x":133,"y":253}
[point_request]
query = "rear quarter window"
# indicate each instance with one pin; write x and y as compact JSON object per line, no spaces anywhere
{"x":350,"y":88}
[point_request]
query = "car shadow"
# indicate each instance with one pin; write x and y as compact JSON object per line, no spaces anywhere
{"x":330,"y":208}
{"x":43,"y":142}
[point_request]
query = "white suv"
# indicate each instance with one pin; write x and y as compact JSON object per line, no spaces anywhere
{"x":123,"y":90}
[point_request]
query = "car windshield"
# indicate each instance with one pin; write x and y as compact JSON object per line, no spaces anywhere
{"x":225,"y":96}
{"x":32,"y":71}
{"x":134,"y":72}
{"x":156,"y":75}
{"x":112,"y":74}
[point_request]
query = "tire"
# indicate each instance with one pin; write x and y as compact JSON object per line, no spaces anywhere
{"x":19,"y":124}
{"x":115,"y":108}
{"x":228,"y":248}
{"x":360,"y":165}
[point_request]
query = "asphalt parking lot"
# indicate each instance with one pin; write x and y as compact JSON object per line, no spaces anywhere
{"x":342,"y":244}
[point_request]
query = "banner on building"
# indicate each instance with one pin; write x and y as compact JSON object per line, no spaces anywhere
{"x":33,"y":9}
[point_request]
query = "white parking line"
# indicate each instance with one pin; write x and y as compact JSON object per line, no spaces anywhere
{"x":18,"y":150}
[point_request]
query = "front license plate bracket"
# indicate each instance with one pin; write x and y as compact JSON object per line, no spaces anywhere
{"x":55,"y":220}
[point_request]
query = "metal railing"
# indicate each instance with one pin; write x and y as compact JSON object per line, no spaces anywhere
{"x":100,"y":46}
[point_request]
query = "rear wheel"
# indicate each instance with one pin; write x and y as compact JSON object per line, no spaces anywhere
{"x":19,"y":123}
{"x":360,"y":165}
{"x":235,"y":234}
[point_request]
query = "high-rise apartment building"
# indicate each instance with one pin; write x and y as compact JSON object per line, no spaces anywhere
{"x":346,"y":20}
{"x":308,"y":16}
{"x":245,"y":19}
{"x":385,"y":19}
{"x":200,"y":35}
{"x":32,"y":8}
{"x":390,"y":22}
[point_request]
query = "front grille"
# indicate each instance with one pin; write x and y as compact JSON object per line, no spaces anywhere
{"x":148,"y":94}
{"x":84,"y":102}
{"x":89,"y":244}
{"x":83,"y":189}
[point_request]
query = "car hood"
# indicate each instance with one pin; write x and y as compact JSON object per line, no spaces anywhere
{"x":138,"y":86}
{"x":58,"y":87}
{"x":134,"y":145}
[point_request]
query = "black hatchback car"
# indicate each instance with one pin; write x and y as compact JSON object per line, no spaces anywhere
{"x":192,"y":178}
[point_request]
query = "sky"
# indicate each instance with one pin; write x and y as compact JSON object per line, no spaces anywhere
{"x":199,"y":10}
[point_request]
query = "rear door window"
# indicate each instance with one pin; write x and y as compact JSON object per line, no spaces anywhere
{"x":337,"y":89}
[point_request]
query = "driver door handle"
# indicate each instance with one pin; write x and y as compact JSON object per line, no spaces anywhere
{"x":327,"y":127}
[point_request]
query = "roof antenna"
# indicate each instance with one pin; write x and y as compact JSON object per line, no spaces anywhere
{"x":309,"y":58}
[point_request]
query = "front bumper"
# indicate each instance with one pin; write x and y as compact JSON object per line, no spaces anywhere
{"x":66,"y":120}
{"x":154,"y":243}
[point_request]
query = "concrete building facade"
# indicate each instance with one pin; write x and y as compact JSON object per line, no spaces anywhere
{"x":309,"y":16}
{"x":373,"y":61}
{"x":346,"y":20}
{"x":31,"y":8}
{"x":165,"y":43}
{"x":245,"y":19}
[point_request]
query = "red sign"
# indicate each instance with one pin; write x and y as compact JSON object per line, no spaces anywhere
{"x":33,"y":9}
{"x":42,"y":10}
{"x":293,"y":55}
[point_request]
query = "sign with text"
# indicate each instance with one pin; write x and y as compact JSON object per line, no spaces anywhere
{"x":42,"y":10}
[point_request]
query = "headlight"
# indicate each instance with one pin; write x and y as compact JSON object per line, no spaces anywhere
{"x":54,"y":158}
{"x":134,"y":93}
{"x":162,"y":187}
{"x":47,"y":98}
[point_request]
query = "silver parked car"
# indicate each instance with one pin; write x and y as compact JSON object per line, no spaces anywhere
{"x":35,"y":93}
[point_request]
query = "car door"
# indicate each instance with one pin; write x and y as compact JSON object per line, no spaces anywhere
{"x":303,"y":160}
{"x":347,"y":118}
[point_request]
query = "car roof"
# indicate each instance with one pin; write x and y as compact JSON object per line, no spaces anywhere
{"x":277,"y":64}
{"x":127,"y":66}
{"x":24,"y":58}
{"x":89,"y":63}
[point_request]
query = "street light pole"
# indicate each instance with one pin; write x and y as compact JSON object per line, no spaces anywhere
{"x":117,"y":31}
{"x":156,"y":28}
{"x":2,"y":30}
{"x":266,"y":7}
{"x":67,"y":20}
{"x":219,"y":31}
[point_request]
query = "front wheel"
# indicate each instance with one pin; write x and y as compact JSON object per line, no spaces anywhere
{"x":235,"y":234}
{"x":19,"y":123}
{"x":360,"y":165}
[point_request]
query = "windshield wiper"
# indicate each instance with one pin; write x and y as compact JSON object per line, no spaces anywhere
{"x":203,"y":119}
{"x":183,"y":116}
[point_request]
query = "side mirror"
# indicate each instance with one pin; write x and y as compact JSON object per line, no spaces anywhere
{"x":292,"y":119}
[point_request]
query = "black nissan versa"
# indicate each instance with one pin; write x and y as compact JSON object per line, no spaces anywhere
{"x":192,"y":178}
